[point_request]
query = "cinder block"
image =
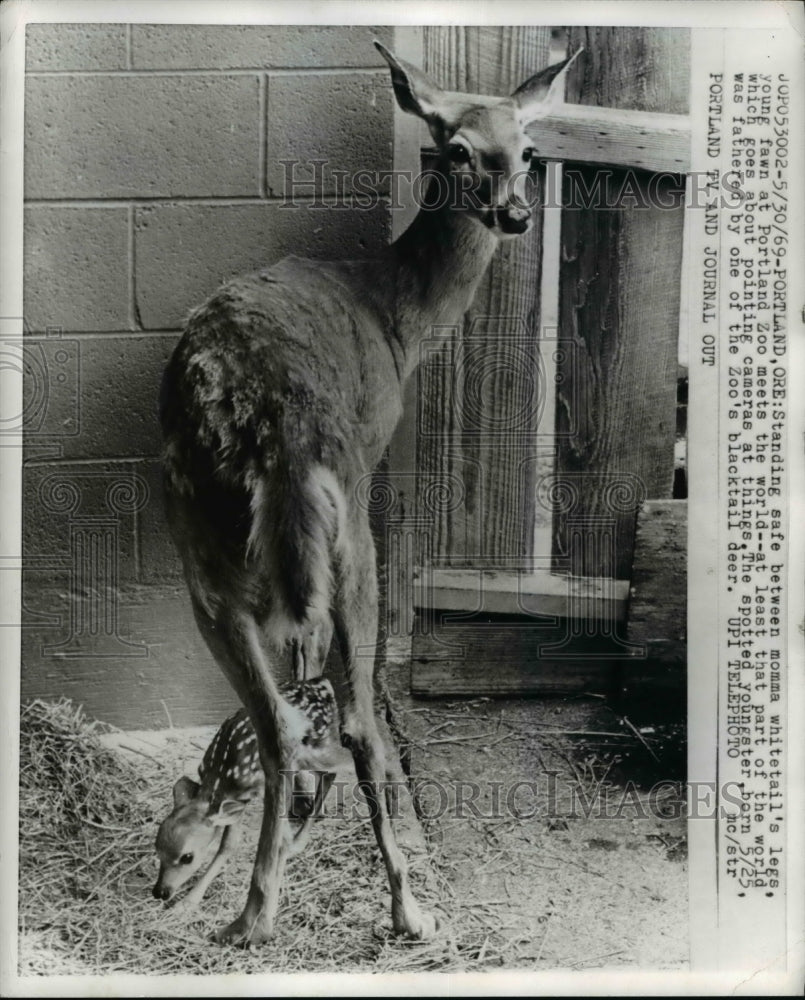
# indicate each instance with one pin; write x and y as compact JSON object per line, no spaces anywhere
{"x":345,"y":119}
{"x":196,"y":46}
{"x":119,"y":380}
{"x":174,"y":678}
{"x":75,"y":46}
{"x":76,"y":268}
{"x":61,"y":499}
{"x":141,"y":136}
{"x":159,"y":560}
{"x":183,"y":252}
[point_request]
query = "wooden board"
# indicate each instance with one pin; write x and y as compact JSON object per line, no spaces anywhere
{"x":642,"y":140}
{"x":506,"y":656}
{"x":641,"y":664}
{"x":619,"y":316}
{"x":652,"y":688}
{"x":659,"y":591}
{"x":537,"y":592}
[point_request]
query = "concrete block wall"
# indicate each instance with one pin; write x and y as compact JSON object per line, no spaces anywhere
{"x":152,"y":173}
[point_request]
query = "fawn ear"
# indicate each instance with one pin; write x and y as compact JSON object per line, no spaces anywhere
{"x":228,"y":813}
{"x":419,"y":95}
{"x":544,"y":90}
{"x":184,"y":790}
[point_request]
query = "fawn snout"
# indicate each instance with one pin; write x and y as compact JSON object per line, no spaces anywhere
{"x":160,"y":890}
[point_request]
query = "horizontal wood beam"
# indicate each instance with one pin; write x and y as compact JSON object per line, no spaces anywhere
{"x":534,"y":593}
{"x":500,"y":656}
{"x":639,"y":139}
{"x":448,"y":679}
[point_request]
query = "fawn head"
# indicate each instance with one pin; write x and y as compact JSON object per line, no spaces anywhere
{"x":186,"y":836}
{"x":484,"y":152}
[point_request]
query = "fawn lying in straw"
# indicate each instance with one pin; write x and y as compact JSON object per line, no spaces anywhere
{"x":280,"y":400}
{"x":231,"y":776}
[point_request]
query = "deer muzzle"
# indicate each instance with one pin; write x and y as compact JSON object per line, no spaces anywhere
{"x":513,"y":219}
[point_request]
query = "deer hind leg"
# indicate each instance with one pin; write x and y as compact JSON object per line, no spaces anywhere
{"x":235,"y":644}
{"x":356,"y":618}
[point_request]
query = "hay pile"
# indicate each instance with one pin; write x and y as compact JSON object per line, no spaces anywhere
{"x":88,"y":817}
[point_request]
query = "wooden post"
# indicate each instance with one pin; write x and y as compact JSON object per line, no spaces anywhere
{"x":619,"y":311}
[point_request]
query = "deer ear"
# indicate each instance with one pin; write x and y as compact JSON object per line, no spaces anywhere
{"x":419,"y":95}
{"x":184,"y":790}
{"x":544,"y":90}
{"x":416,"y":93}
{"x":228,"y":813}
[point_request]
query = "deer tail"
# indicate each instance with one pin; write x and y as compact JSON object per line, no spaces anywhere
{"x":296,"y":530}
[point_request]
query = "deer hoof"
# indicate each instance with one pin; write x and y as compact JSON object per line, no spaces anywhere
{"x":242,"y":933}
{"x":417,"y":925}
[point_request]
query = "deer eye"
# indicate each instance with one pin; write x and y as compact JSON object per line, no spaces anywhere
{"x":458,"y":153}
{"x":186,"y":859}
{"x":528,"y":154}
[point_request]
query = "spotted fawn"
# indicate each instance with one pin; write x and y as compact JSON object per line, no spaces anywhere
{"x":231,"y":776}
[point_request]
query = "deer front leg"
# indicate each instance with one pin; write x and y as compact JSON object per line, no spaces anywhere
{"x":256,"y":922}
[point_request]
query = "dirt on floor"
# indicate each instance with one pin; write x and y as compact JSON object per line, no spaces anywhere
{"x":558,"y":831}
{"x":554,"y":831}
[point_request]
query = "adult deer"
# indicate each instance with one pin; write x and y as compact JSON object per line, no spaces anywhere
{"x":282,"y":394}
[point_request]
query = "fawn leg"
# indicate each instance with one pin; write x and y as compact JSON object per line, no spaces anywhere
{"x":323,"y":783}
{"x":229,"y":842}
{"x":356,"y":619}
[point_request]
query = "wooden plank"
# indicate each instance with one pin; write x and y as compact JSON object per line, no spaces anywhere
{"x":620,"y":287}
{"x":659,"y":591}
{"x":545,"y":456}
{"x":651,"y":687}
{"x":505,"y":655}
{"x":453,"y":678}
{"x":529,"y":593}
{"x":645,"y":69}
{"x":643,"y":140}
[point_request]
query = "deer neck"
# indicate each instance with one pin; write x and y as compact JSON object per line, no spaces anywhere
{"x":439,"y":262}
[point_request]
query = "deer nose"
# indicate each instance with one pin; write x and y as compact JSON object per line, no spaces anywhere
{"x":161,"y":892}
{"x":514,"y":218}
